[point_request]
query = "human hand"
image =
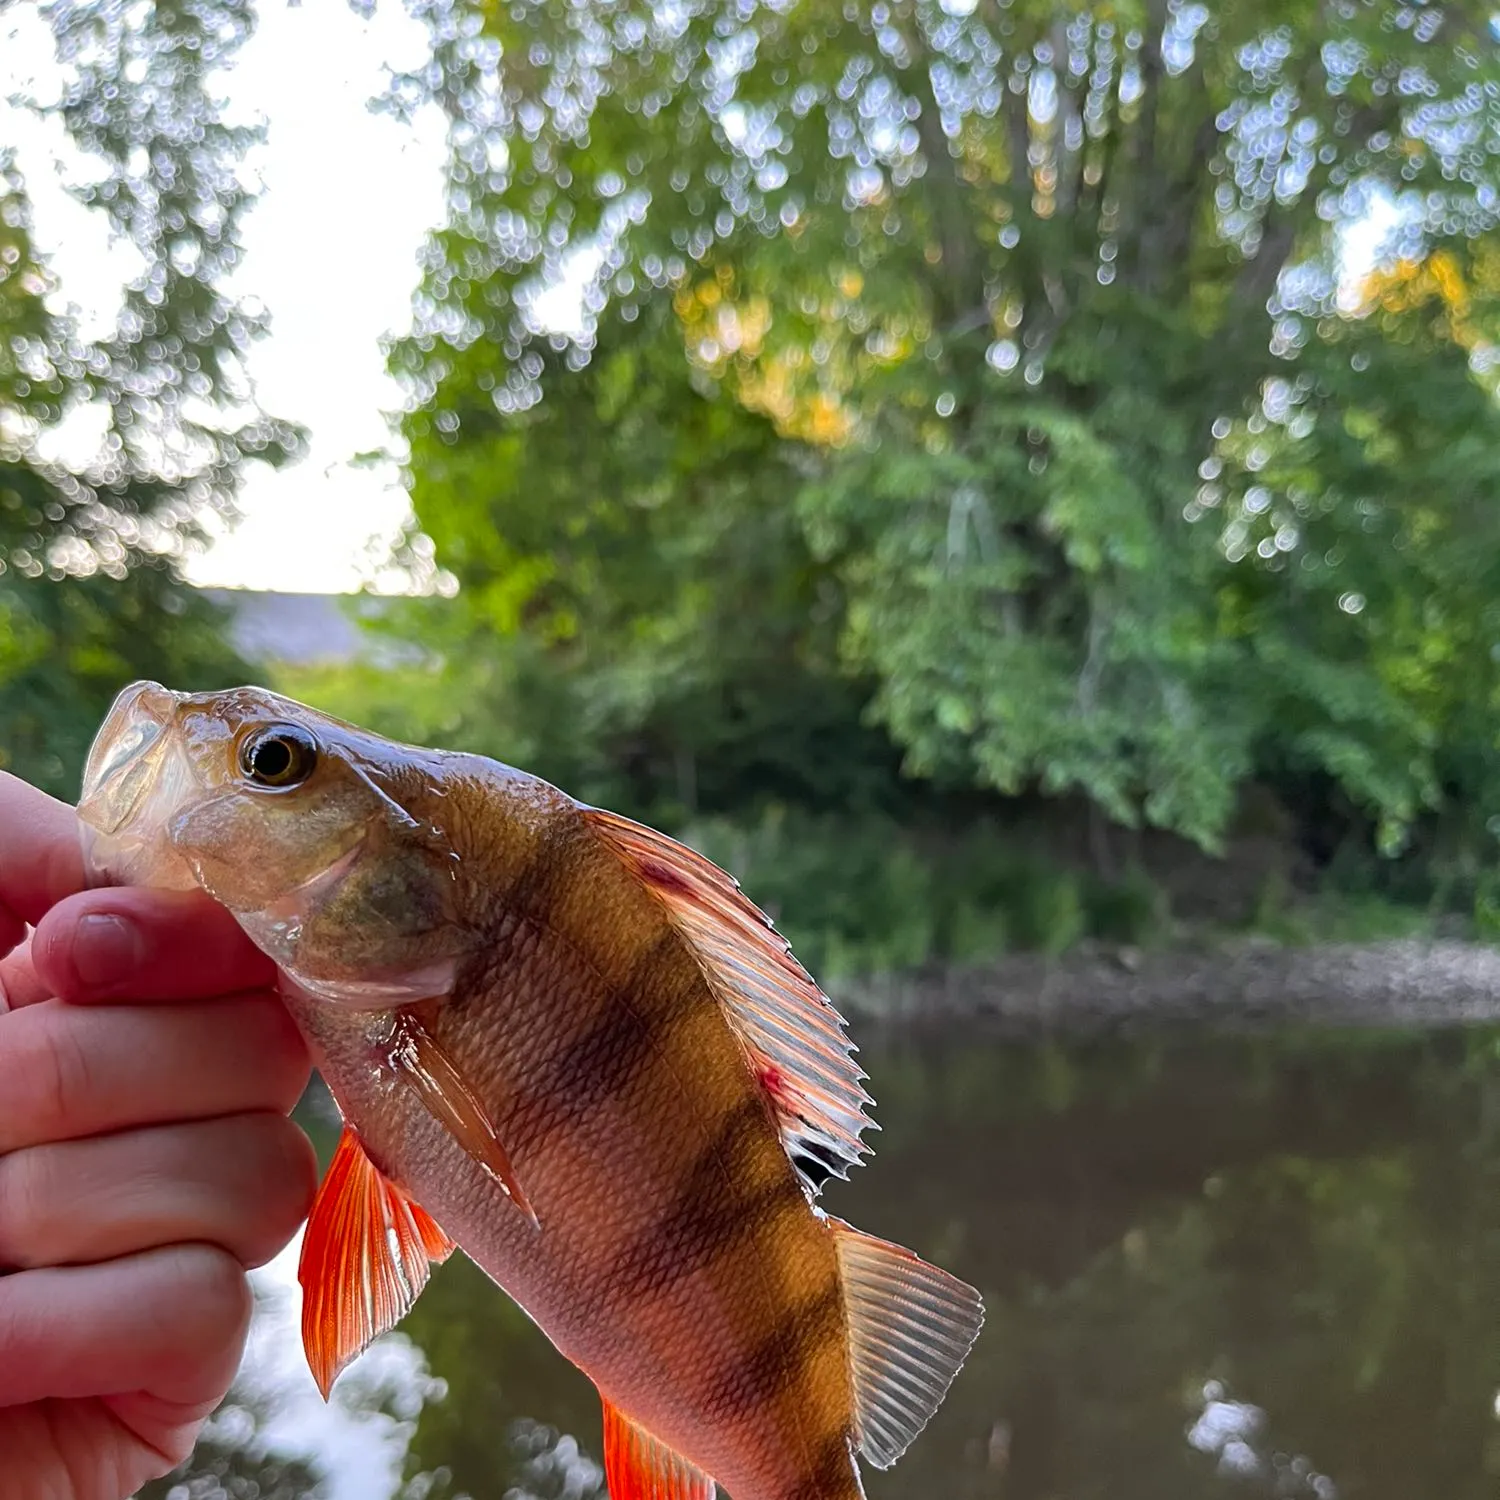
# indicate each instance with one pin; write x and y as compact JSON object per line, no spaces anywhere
{"x":146,"y":1161}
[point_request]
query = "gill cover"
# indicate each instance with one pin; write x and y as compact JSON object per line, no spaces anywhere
{"x":288,"y":818}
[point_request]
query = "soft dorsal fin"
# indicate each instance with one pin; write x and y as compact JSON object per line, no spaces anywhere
{"x":366,"y":1256}
{"x":638,"y":1466}
{"x":794,"y":1036}
{"x":911,"y":1327}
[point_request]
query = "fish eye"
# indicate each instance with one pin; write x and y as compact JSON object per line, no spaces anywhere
{"x":279,"y":757}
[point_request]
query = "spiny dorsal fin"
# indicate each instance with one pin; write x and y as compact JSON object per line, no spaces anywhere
{"x":366,"y":1256}
{"x":789,"y":1027}
{"x":638,"y":1466}
{"x":911,"y":1327}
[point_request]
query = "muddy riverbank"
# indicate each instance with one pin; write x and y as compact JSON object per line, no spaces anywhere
{"x":1427,"y":983}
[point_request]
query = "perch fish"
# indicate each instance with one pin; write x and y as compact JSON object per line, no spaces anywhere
{"x":571,"y":1047}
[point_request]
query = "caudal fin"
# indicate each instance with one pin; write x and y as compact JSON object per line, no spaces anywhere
{"x":911,"y":1327}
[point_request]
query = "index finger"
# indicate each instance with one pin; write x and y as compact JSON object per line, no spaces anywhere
{"x":41,"y":859}
{"x":124,"y":943}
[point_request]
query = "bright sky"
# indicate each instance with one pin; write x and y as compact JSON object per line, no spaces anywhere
{"x":331,"y":250}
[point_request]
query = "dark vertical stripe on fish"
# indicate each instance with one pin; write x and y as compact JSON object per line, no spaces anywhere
{"x":713,"y":1211}
{"x":534,"y":877}
{"x":652,"y":962}
{"x":616,"y":1045}
{"x":604,"y":1058}
{"x":775,"y":1366}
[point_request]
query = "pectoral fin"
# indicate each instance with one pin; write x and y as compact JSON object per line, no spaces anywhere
{"x":366,"y":1256}
{"x":639,"y":1467}
{"x":420,"y":1062}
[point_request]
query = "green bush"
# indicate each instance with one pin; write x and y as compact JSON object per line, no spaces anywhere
{"x":867,"y":895}
{"x":1133,"y":909}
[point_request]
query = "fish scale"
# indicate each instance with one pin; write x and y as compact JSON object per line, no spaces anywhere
{"x":649,"y":1324}
{"x":697,"y":1225}
{"x":572,"y":1048}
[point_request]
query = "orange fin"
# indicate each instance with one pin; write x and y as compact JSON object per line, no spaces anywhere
{"x":911,"y":1327}
{"x":639,"y":1467}
{"x":794,"y":1036}
{"x":366,"y":1256}
{"x":421,"y":1062}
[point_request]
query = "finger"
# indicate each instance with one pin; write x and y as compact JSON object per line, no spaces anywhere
{"x":169,"y":1322}
{"x":108,"y":1446}
{"x":132,"y":944}
{"x":42,"y":860}
{"x":68,"y":1072}
{"x":244,"y":1184}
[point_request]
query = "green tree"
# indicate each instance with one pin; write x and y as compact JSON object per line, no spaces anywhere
{"x":88,"y":593}
{"x":1030,"y":295}
{"x":671,"y":643}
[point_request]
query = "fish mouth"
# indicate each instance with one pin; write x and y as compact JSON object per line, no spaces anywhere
{"x":136,"y":777}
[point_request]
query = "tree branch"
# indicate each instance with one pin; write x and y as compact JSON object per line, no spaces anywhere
{"x":1145,"y":252}
{"x":1188,"y":187}
{"x":961,"y":285}
{"x":1259,"y":275}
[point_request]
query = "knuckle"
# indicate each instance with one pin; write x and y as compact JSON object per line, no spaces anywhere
{"x":44,"y":1072}
{"x":28,"y":1201}
{"x":287,"y":1180}
{"x":282,"y":1050}
{"x":215,"y":1300}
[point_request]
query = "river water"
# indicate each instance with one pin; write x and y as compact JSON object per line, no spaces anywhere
{"x":1216,"y":1269}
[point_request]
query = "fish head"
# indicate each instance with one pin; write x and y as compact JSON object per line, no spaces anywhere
{"x":319,"y":837}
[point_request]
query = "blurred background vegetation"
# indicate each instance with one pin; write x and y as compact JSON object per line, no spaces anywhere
{"x":1003,"y":474}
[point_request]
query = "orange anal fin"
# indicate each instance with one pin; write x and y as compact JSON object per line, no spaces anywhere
{"x":420,"y":1061}
{"x":639,"y":1467}
{"x":366,"y":1256}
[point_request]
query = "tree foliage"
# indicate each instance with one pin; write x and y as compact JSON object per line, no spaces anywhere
{"x":977,"y":375}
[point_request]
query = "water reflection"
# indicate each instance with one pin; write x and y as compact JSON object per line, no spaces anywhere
{"x":1241,"y":1267}
{"x":1234,"y":1433}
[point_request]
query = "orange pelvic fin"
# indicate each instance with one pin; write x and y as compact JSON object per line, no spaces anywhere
{"x":639,"y":1467}
{"x":911,"y":1327}
{"x":366,"y":1256}
{"x":794,"y":1037}
{"x":421,"y":1062}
